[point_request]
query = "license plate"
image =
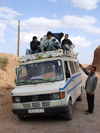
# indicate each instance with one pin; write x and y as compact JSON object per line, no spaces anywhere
{"x":36,"y":111}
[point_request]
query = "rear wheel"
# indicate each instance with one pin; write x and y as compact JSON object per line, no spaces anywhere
{"x":22,"y":117}
{"x":69,"y":112}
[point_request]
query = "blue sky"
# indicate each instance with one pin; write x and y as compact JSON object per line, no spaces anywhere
{"x":79,"y":18}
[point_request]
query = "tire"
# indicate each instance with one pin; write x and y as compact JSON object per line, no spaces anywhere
{"x":80,"y":97}
{"x":69,"y":112}
{"x":22,"y":118}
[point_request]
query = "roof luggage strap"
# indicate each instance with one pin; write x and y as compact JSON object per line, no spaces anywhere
{"x":48,"y":54}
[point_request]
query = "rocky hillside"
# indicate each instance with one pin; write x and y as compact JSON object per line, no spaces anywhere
{"x":7,"y":76}
{"x":96,"y":59}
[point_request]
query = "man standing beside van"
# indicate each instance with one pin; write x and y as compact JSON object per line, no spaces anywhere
{"x":90,"y":87}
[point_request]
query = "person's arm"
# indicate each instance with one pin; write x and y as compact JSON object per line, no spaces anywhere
{"x":85,"y":71}
{"x":38,"y":43}
{"x":70,"y":45}
{"x":42,"y":44}
{"x":62,"y":43}
{"x":70,"y":42}
{"x":65,"y":48}
{"x":94,"y":85}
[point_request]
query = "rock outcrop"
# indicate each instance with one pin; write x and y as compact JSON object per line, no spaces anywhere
{"x":96,"y":59}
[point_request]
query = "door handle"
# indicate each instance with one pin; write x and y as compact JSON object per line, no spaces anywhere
{"x":72,"y":80}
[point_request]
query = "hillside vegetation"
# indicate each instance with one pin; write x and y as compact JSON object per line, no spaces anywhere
{"x":3,"y":62}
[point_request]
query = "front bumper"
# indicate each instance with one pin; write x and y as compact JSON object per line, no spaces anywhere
{"x":50,"y":110}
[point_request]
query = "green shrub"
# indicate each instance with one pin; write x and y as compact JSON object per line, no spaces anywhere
{"x":3,"y":62}
{"x":1,"y":95}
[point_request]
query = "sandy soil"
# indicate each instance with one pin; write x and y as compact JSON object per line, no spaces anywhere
{"x":80,"y":123}
{"x":7,"y":77}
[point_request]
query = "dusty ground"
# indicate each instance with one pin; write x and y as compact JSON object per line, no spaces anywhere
{"x":80,"y":123}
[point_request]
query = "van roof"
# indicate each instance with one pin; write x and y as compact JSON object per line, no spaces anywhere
{"x":49,"y":54}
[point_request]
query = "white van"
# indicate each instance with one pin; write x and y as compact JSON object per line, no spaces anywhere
{"x":47,"y":83}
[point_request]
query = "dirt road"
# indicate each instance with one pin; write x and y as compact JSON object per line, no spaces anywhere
{"x":80,"y":123}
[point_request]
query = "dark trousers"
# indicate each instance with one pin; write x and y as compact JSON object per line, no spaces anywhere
{"x":90,"y":100}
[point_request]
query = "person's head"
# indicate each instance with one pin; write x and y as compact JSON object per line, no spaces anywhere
{"x":34,"y":39}
{"x":61,"y":35}
{"x":66,"y":36}
{"x":49,"y":34}
{"x":93,"y":69}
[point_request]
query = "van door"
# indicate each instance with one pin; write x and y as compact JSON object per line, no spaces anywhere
{"x":72,"y":90}
{"x":78,"y":79}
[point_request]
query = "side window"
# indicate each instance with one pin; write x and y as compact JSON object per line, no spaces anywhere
{"x":67,"y":72}
{"x":77,"y":66}
{"x":71,"y":64}
{"x":66,"y":66}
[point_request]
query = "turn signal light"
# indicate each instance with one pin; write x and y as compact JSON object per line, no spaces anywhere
{"x":12,"y":100}
{"x":63,"y":95}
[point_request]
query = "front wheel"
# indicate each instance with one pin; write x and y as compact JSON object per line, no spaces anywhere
{"x":69,"y":112}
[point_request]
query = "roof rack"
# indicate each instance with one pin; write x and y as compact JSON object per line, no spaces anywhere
{"x":48,"y":54}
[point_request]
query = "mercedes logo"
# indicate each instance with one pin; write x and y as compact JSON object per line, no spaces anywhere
{"x":35,"y":98}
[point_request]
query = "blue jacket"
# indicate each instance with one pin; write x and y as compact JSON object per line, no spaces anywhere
{"x":56,"y":35}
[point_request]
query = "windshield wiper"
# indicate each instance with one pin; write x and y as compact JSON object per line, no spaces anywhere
{"x":43,"y":80}
{"x":25,"y":82}
{"x":22,"y":83}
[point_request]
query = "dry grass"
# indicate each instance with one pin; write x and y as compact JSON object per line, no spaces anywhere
{"x":3,"y":62}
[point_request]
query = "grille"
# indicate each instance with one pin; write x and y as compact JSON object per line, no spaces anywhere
{"x":26,"y":106}
{"x":43,"y":97}
{"x":36,"y":105}
{"x":45,"y":104}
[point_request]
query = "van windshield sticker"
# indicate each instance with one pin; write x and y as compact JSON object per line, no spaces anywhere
{"x":59,"y":63}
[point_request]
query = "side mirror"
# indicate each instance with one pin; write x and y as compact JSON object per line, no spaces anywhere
{"x":15,"y":81}
{"x":68,"y":74}
{"x":16,"y":70}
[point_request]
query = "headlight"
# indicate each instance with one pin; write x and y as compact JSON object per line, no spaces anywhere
{"x":55,"y":96}
{"x":17,"y":100}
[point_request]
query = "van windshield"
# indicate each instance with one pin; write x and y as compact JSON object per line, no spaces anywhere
{"x":49,"y":71}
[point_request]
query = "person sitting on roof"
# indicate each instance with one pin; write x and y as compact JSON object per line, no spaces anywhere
{"x":49,"y":43}
{"x":58,"y":36}
{"x":34,"y":46}
{"x":66,"y":43}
